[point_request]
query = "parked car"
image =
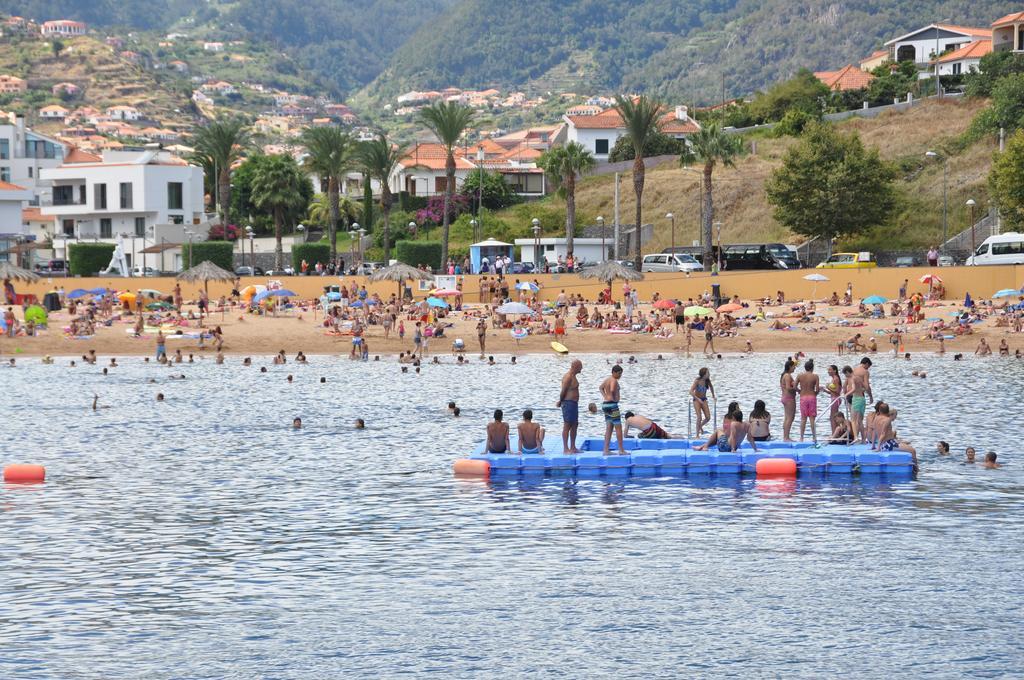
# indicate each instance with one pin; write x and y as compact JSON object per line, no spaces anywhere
{"x":906,"y":261}
{"x":367,"y":268}
{"x":1005,"y":248}
{"x":248,"y":271}
{"x":521,"y":268}
{"x":287,"y":271}
{"x":671,"y":262}
{"x":946,"y":261}
{"x":144,"y":271}
{"x":628,"y":264}
{"x":747,"y":256}
{"x":52,"y":267}
{"x":848,"y":261}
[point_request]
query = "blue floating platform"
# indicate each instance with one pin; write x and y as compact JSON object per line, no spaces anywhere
{"x":677,"y":457}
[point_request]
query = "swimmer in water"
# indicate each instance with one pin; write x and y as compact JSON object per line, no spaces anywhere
{"x":942,"y":448}
{"x":990,"y":461}
{"x":360,"y":424}
{"x":456,"y":412}
{"x":297,"y":424}
{"x":95,"y":401}
{"x":592,"y":408}
{"x":159,"y":396}
{"x":969,"y":454}
{"x":290,"y":378}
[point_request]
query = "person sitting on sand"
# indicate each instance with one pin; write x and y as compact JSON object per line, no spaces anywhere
{"x":648,"y":429}
{"x":531,"y":435}
{"x":497,"y":434}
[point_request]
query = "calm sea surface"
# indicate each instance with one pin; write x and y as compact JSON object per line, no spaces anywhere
{"x":203,"y":538}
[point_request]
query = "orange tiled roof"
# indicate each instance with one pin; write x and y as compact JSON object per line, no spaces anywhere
{"x":670,"y":125}
{"x":433,"y":156}
{"x":973,"y":50}
{"x":78,"y":156}
{"x":33,"y":215}
{"x":969,"y":30}
{"x":875,"y":55}
{"x":847,"y":78}
{"x":609,"y":119}
{"x":7,"y":186}
{"x":1008,"y":19}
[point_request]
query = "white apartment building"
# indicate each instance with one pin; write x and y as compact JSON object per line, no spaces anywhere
{"x":12,"y":229}
{"x":24,"y":154}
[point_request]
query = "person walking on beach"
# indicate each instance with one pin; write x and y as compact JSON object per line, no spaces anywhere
{"x":709,"y":335}
{"x":610,"y":407}
{"x":481,"y":334}
{"x":161,"y":345}
{"x":569,"y":402}
{"x":809,"y":385}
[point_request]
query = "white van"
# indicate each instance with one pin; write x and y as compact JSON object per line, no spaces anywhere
{"x":671,"y":262}
{"x":1005,"y":248}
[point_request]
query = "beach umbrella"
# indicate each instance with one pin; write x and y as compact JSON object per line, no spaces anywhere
{"x":664,"y":303}
{"x":817,"y":278}
{"x":1007,"y":292}
{"x":446,"y":292}
{"x":77,"y":293}
{"x":206,"y":271}
{"x":610,"y":271}
{"x":127,"y":296}
{"x":150,"y":293}
{"x":968,"y":302}
{"x":514,"y":308}
{"x":36,"y":315}
{"x":159,"y":305}
{"x":729,"y":307}
{"x":400,"y":273}
{"x":12,"y":271}
{"x":98,"y":291}
{"x":334,"y":296}
{"x":930,"y":279}
{"x":697,"y":310}
{"x":528,"y":285}
{"x":874,"y":300}
{"x":357,"y":304}
{"x":437,"y":302}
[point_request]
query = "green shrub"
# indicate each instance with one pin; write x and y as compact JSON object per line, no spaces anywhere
{"x":415,"y":253}
{"x":409,"y":203}
{"x":221,"y":253}
{"x":311,"y":253}
{"x":86,"y":259}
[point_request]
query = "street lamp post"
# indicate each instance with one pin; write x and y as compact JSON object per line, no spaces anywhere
{"x":604,"y":248}
{"x":970,"y":204}
{"x":480,"y":185}
{"x":252,"y":252}
{"x":352,"y":245}
{"x":536,"y":243}
{"x":473,"y":223}
{"x":412,"y":229}
{"x":362,"y":233}
{"x":189,"y":233}
{"x":945,"y":184}
{"x":672,"y":219}
{"x":718,"y":226}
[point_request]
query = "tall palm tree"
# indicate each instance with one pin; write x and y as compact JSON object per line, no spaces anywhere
{"x":329,"y":156}
{"x":640,"y":116}
{"x":218,"y":144}
{"x":379,"y":158}
{"x":276,"y":189}
{"x":563,"y":164}
{"x":448,"y":121}
{"x":711,"y":145}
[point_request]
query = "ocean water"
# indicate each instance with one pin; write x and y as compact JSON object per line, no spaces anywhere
{"x":202,"y":537}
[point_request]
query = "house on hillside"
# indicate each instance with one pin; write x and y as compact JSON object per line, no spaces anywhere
{"x":130,"y":56}
{"x":422,"y":171}
{"x":12,"y":84}
{"x":178,"y":65}
{"x":925,"y":44}
{"x":213,"y":46}
{"x":53,"y":112}
{"x":598,"y":133}
{"x":583,"y":110}
{"x":847,"y":78}
{"x":965,"y":59}
{"x":874,"y":60}
{"x":62,"y":27}
{"x":123,"y":113}
{"x":1008,"y":33}
{"x":220,"y":87}
{"x":70,"y":89}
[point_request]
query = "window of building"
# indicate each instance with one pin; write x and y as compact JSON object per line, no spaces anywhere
{"x":126,"y":195}
{"x":957,"y":69}
{"x":5,"y":174}
{"x":174,"y":195}
{"x":106,"y":228}
{"x":140,"y":226}
{"x":63,"y":195}
{"x":100,"y":196}
{"x":601,"y":146}
{"x":30,"y":169}
{"x":68,"y":227}
{"x":5,"y":149}
{"x":176,"y":219}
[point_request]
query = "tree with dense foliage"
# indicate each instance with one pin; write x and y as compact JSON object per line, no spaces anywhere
{"x":640,"y":118}
{"x":711,"y":145}
{"x":803,"y":92}
{"x":329,"y":152}
{"x":277,"y":189}
{"x":1006,"y":182}
{"x":218,"y":144}
{"x":830,"y":186}
{"x":448,"y":121}
{"x":379,"y":159}
{"x":496,"y":194}
{"x":891,"y":82}
{"x":658,"y":144}
{"x":56,"y":46}
{"x":320,"y":210}
{"x":243,"y":205}
{"x":563,"y":164}
{"x":993,"y":66}
{"x":1006,"y":109}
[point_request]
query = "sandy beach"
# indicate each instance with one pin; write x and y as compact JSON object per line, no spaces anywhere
{"x":250,"y":334}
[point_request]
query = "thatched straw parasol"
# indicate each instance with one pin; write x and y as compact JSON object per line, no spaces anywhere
{"x":11,"y":271}
{"x":401,"y":273}
{"x":610,"y":271}
{"x":206,"y":271}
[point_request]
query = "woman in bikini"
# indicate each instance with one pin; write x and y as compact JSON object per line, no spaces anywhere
{"x":834,"y":389}
{"x":788,"y":385}
{"x":699,"y":391}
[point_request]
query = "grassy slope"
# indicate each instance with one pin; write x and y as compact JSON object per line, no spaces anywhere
{"x":740,"y":202}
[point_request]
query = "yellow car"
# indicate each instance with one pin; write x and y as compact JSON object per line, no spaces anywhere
{"x":848,"y":261}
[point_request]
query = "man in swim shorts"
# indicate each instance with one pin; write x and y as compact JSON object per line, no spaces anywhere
{"x":861,"y":392}
{"x":648,"y":429}
{"x":610,"y":408}
{"x":531,"y":435}
{"x":569,"y":402}
{"x":809,"y":385}
{"x":497,"y":434}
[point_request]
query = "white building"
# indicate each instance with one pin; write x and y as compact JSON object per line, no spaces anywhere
{"x":12,"y":228}
{"x":924,"y":44}
{"x":123,"y":113}
{"x":598,"y":133}
{"x":150,"y":195}
{"x":584,"y":249}
{"x":965,"y":59}
{"x":53,"y":112}
{"x":64,"y":27}
{"x":24,"y":154}
{"x":1008,"y":33}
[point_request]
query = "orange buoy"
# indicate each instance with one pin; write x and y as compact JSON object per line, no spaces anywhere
{"x":24,"y":474}
{"x":776,"y":467}
{"x":475,"y":468}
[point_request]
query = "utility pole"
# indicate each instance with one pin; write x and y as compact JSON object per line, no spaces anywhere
{"x":615,"y":233}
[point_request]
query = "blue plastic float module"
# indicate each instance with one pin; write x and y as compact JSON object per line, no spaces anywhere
{"x":667,"y":457}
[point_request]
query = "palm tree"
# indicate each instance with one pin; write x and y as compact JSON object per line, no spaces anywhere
{"x":640,"y":117}
{"x":379,"y":159}
{"x":448,"y":121}
{"x":329,"y":156}
{"x":320,"y":210}
{"x":562,"y":164}
{"x":711,"y":145}
{"x":277,"y":189}
{"x":218,"y":144}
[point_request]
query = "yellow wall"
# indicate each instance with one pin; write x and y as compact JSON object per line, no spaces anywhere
{"x":981,"y":282}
